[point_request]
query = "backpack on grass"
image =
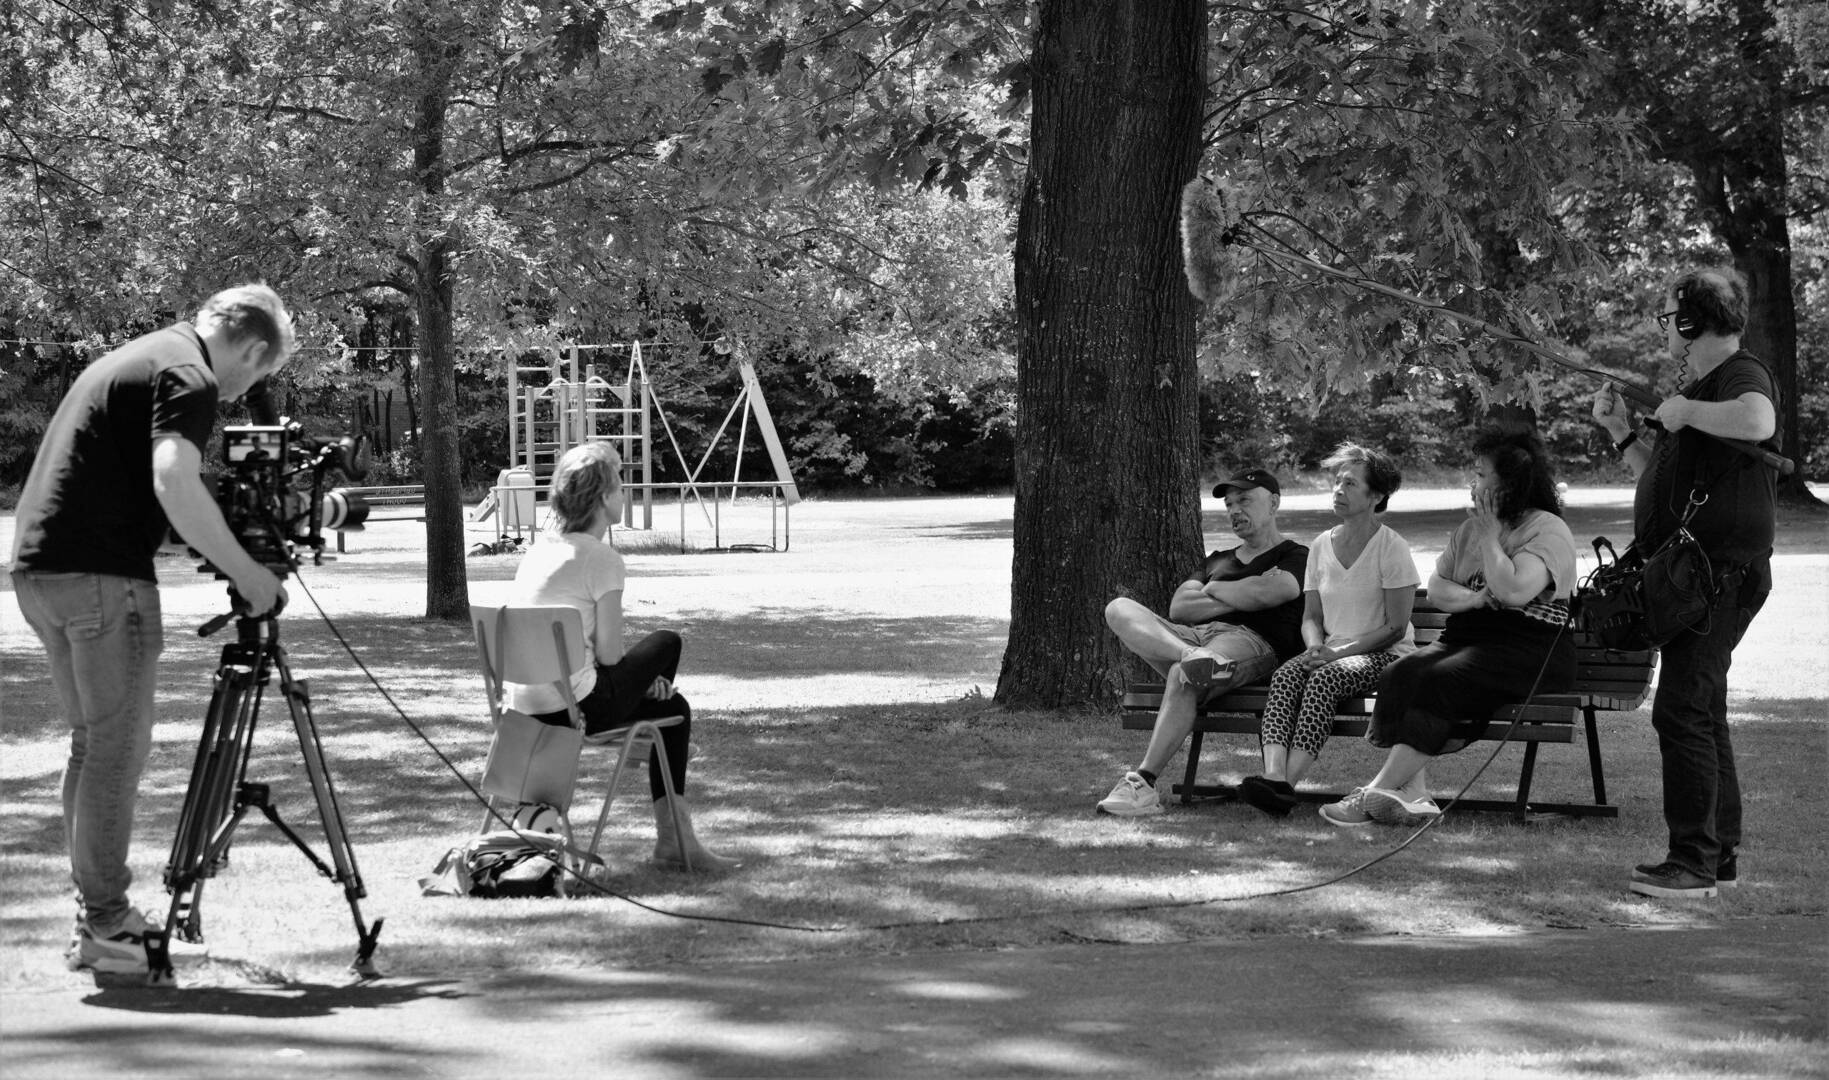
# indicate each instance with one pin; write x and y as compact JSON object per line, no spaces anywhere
{"x":509,"y":863}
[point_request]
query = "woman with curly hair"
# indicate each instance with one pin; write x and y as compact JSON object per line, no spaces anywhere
{"x":1505,"y":579}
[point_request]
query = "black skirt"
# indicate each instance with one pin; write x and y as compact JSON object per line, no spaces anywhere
{"x":1484,"y":659}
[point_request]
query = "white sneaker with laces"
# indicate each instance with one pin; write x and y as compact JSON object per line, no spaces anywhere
{"x":1392,"y":808}
{"x":1348,"y":813}
{"x":1133,"y":797}
{"x":121,"y":951}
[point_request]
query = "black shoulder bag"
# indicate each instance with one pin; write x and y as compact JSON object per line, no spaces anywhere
{"x":1634,"y":602}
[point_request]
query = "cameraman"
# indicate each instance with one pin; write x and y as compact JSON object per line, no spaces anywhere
{"x":121,"y":458}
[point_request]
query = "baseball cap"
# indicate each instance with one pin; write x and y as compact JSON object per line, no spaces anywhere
{"x":1250,"y":478}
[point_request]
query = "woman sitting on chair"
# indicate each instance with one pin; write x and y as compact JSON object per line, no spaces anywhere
{"x":578,"y":568}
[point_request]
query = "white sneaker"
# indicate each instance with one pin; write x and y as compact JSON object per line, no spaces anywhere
{"x":1392,"y":808}
{"x":1348,"y":813}
{"x":119,"y":952}
{"x":1201,"y":668}
{"x":1133,"y":797}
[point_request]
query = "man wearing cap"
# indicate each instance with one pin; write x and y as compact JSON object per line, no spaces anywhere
{"x":1236,"y":617}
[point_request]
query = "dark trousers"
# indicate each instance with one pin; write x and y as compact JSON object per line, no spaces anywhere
{"x":619,"y":699}
{"x":1689,"y":713}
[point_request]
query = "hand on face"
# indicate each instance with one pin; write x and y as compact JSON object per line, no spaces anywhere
{"x":1485,"y":508}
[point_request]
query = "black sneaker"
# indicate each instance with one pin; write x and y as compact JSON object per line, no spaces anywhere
{"x":1727,"y":869}
{"x":1669,"y":881}
{"x":1274,"y":797}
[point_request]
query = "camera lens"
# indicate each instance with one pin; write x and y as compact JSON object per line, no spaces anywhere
{"x":344,"y":509}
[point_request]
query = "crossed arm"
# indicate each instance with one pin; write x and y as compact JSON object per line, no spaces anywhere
{"x":1197,"y":602}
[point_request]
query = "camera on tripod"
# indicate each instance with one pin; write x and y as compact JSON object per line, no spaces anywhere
{"x":272,"y":496}
{"x":273,"y":492}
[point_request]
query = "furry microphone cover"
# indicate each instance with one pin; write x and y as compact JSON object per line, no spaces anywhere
{"x":1206,"y":216}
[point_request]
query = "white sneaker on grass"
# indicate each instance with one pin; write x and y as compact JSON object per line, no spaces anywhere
{"x":1348,"y":813}
{"x":1393,"y":808}
{"x":1133,"y":797}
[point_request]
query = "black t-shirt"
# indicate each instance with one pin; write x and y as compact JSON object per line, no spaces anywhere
{"x":1737,"y":523}
{"x":1281,"y":625}
{"x":88,"y":504}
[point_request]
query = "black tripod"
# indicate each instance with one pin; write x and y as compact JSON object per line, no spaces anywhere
{"x":220,"y":794}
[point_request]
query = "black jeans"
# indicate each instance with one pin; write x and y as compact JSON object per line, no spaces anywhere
{"x":618,"y":700}
{"x":1689,"y":713}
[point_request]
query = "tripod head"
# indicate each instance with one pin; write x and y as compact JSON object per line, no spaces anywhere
{"x":249,"y":627}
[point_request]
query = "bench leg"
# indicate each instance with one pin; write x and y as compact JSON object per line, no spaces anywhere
{"x":1593,"y":732}
{"x":1187,"y":777}
{"x":1524,"y":781}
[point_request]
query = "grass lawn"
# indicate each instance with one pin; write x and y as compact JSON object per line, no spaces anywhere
{"x":851,"y":754}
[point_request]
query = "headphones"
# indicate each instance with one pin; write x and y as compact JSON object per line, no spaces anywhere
{"x":1689,"y":314}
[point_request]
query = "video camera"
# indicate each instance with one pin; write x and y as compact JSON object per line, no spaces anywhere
{"x":272,"y":493}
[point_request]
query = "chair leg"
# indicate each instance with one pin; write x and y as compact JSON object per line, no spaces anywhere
{"x":673,"y":800}
{"x":642,"y":729}
{"x":609,"y":793}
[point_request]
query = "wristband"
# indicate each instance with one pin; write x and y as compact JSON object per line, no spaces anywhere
{"x":1631,"y":437}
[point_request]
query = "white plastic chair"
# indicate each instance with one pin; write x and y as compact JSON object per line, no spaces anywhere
{"x":534,"y":645}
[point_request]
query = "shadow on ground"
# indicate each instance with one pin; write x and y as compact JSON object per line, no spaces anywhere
{"x":1621,"y":1003}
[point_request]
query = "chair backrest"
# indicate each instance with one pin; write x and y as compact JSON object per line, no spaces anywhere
{"x":529,"y":645}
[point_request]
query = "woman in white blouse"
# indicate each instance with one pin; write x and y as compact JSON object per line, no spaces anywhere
{"x":1359,"y":589}
{"x":576,"y":567}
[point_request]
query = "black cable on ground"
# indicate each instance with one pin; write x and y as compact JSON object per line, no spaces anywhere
{"x":1109,"y":909}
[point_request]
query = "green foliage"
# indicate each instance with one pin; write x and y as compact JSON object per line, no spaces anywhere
{"x":1417,"y":146}
{"x":835,"y":186}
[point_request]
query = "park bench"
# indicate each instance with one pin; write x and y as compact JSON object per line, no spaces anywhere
{"x":1606,"y":680}
{"x":386,"y":502}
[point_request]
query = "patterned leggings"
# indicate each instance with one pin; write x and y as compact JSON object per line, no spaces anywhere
{"x":1299,"y":712}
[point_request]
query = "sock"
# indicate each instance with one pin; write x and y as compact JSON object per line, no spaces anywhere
{"x":1148,"y":777}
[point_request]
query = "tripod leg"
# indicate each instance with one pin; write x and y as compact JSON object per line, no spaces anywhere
{"x":210,"y":801}
{"x":342,"y":855}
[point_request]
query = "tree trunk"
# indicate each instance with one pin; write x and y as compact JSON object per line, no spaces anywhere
{"x":447,"y":587}
{"x":1741,"y":182}
{"x":1107,"y":392}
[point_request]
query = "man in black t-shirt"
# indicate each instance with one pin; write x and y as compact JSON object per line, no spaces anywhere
{"x":1725,"y":392}
{"x":1236,"y":617}
{"x":120,"y":459}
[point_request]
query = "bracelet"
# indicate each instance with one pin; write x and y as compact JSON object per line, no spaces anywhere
{"x":1631,"y":437}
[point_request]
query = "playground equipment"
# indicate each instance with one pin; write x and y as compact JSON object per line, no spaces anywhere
{"x":556,"y":406}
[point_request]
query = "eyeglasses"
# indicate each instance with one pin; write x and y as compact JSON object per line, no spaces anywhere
{"x":1664,"y":320}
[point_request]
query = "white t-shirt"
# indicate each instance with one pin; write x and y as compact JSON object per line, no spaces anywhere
{"x":1352,"y":597}
{"x":573,"y":570}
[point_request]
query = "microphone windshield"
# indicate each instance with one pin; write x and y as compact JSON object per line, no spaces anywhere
{"x":1207,"y":215}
